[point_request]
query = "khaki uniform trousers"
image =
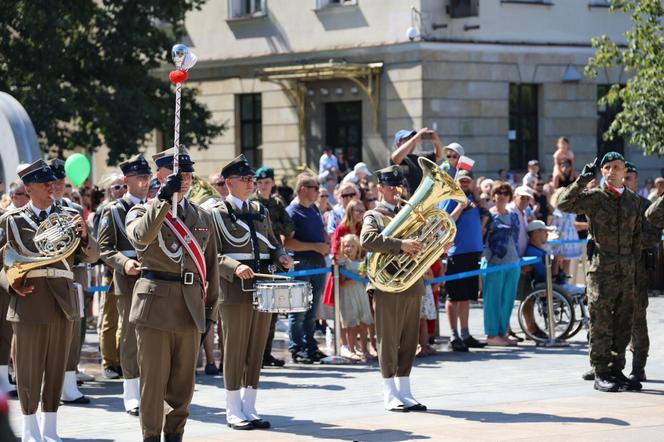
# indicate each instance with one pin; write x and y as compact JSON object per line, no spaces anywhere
{"x":167,"y":361}
{"x":397,"y":331}
{"x":75,"y":347}
{"x":41,"y":358}
{"x":245,"y":335}
{"x":6,"y":331}
{"x":108,"y":335}
{"x":127,"y":332}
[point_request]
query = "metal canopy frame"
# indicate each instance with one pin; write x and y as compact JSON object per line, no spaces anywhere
{"x":293,"y":79}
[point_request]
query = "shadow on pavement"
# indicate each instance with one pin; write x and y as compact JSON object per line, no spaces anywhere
{"x":498,"y":417}
{"x":320,"y":430}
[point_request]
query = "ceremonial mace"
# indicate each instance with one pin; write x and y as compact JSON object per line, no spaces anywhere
{"x":184,"y":60}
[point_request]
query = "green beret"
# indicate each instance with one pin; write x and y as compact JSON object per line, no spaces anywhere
{"x":630,"y":167}
{"x":611,"y":156}
{"x":264,"y":172}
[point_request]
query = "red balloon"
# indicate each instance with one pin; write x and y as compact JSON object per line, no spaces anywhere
{"x":178,"y":76}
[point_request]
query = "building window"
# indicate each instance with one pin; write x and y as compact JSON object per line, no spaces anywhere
{"x":251,"y":127}
{"x":321,"y":4}
{"x":246,"y":8}
{"x":463,"y":8}
{"x":523,"y":132}
{"x":605,"y":115}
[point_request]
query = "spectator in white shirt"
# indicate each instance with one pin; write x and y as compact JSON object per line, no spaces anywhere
{"x":328,"y":162}
{"x":359,"y":172}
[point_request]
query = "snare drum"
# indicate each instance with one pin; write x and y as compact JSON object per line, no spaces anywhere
{"x":282,"y":296}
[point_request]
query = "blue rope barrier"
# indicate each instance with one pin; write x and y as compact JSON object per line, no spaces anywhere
{"x":99,"y":288}
{"x":307,"y":272}
{"x":566,"y":241}
{"x":525,"y":261}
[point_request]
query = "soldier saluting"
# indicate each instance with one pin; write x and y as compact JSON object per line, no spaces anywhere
{"x":175,"y":298}
{"x":44,"y":303}
{"x":248,"y":245}
{"x":397,"y":314}
{"x":118,"y":253}
{"x":614,"y":243}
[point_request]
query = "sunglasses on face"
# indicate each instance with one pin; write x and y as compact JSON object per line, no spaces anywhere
{"x":369,"y":200}
{"x":311,"y":186}
{"x":503,"y":193}
{"x":68,"y":186}
{"x":324,"y":195}
{"x":452,"y":156}
{"x":348,"y":195}
{"x":117,"y":187}
{"x":19,"y":194}
{"x":220,"y":183}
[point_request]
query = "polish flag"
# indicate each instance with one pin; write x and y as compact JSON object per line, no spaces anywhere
{"x":465,"y":163}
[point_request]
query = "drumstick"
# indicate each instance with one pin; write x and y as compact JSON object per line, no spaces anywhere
{"x":268,"y":275}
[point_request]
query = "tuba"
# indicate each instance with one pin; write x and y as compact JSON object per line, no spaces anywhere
{"x":55,"y":240}
{"x":201,"y":191}
{"x":420,"y":220}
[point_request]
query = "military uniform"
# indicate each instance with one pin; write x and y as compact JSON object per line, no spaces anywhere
{"x":170,"y":307}
{"x":245,"y":236}
{"x":397,"y":315}
{"x":70,"y":392}
{"x":6,"y":331}
{"x":43,"y":320}
{"x":614,"y":234}
{"x":281,"y":225}
{"x":116,"y":250}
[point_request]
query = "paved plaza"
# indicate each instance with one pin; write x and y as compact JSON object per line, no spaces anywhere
{"x":523,"y":393}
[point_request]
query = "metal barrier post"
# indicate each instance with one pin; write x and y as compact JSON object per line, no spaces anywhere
{"x":552,"y":342}
{"x":337,"y":314}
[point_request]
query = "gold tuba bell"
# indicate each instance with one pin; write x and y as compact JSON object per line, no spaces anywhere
{"x":55,"y":240}
{"x":421,"y":220}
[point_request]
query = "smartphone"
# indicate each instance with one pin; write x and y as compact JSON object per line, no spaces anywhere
{"x":426,"y":136}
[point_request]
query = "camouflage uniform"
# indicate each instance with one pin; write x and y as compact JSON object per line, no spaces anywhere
{"x":614,"y":227}
{"x":640,"y":344}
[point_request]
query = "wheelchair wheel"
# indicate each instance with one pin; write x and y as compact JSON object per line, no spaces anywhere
{"x":578,"y":319}
{"x":533,"y":316}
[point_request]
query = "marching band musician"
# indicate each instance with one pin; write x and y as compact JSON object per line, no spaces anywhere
{"x":118,"y":253}
{"x":282,"y":224}
{"x":248,"y":245}
{"x":397,"y":314}
{"x":44,"y":304}
{"x":175,"y":298}
{"x":6,"y":332}
{"x":70,"y":392}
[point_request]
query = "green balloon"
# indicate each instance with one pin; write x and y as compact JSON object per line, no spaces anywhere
{"x":77,"y":168}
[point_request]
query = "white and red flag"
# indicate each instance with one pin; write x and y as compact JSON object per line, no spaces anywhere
{"x":465,"y":163}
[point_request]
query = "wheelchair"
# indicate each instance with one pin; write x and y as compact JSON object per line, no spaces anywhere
{"x":570,"y":312}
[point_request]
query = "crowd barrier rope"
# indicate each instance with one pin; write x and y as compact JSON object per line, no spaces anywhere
{"x":525,"y":261}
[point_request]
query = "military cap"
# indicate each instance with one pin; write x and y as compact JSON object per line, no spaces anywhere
{"x":390,"y":176}
{"x":57,"y":167}
{"x":154,"y":184}
{"x":239,"y":166}
{"x":165,"y":159}
{"x":37,"y":172}
{"x":264,"y":172}
{"x":136,"y":165}
{"x":630,"y":167}
{"x":611,"y":156}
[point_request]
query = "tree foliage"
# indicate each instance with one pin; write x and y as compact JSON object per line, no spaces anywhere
{"x":85,"y":72}
{"x":641,"y":120}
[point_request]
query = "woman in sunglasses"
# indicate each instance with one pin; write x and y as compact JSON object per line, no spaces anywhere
{"x":346,"y":192}
{"x":501,"y":248}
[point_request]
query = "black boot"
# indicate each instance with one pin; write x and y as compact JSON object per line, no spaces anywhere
{"x":156,"y":438}
{"x":589,"y":375}
{"x":605,"y":382}
{"x":173,"y":437}
{"x":638,"y":374}
{"x":624,"y":383}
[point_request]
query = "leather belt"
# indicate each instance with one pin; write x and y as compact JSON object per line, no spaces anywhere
{"x":187,"y":278}
{"x":50,"y":272}
{"x":246,"y":256}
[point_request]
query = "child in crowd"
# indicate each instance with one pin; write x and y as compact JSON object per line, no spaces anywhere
{"x":427,"y":312}
{"x":354,"y":303}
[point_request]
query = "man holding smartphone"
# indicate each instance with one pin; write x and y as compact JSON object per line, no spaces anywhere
{"x":404,"y":155}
